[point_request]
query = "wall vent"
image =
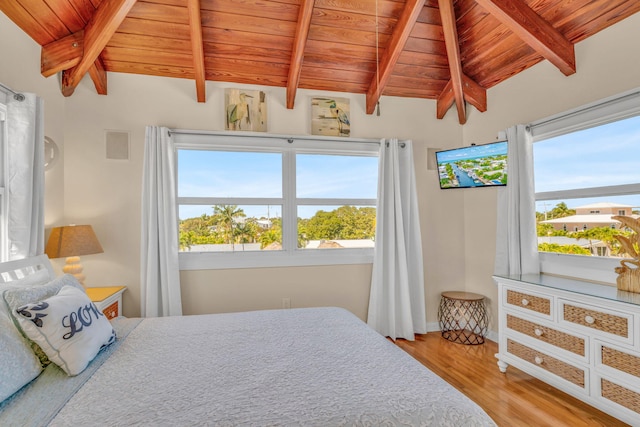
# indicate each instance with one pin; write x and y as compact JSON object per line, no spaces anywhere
{"x":117,"y":143}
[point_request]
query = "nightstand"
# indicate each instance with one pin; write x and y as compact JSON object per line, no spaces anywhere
{"x":108,"y":299}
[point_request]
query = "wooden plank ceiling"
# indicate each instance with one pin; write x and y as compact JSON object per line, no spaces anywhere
{"x":448,"y":50}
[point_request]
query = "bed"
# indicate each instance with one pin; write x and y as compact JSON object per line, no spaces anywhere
{"x":296,"y":367}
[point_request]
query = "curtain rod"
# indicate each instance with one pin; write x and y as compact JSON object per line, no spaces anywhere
{"x":289,"y":138}
{"x":16,"y":95}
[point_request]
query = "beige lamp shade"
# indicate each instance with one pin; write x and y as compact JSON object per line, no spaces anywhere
{"x":72,"y":241}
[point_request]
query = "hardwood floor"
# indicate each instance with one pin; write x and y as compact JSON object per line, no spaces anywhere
{"x":511,"y":399}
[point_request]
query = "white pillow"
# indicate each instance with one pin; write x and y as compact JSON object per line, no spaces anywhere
{"x":38,"y":277}
{"x":68,"y":327}
{"x":17,"y":297}
{"x":18,"y":364}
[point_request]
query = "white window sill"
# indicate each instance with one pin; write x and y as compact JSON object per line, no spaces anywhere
{"x":592,"y":268}
{"x":216,"y":261}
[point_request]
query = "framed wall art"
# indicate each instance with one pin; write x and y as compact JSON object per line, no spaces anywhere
{"x":330,"y":116}
{"x":245,"y":110}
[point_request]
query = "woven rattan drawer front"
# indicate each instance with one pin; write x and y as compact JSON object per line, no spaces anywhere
{"x":621,"y":361}
{"x":551,"y":336}
{"x":601,"y":321}
{"x":563,"y":370}
{"x":529,"y":302}
{"x":621,"y":395}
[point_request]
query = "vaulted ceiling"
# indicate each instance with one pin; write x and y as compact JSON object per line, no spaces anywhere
{"x":448,"y":50}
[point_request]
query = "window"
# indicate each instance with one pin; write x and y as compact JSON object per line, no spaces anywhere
{"x":585,"y":166}
{"x":271,"y":201}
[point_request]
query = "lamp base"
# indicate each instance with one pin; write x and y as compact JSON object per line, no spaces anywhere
{"x":72,"y":266}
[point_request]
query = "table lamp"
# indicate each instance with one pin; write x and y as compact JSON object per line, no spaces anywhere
{"x":72,"y":241}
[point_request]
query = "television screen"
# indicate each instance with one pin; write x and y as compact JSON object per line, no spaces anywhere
{"x":473,"y":166}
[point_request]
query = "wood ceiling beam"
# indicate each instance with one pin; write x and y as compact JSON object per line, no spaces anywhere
{"x":452,"y":46}
{"x":445,"y":100}
{"x":474,"y":94}
{"x":98,"y":74}
{"x":299,"y":45}
{"x":99,"y":30}
{"x":61,"y":54}
{"x":391,"y":54}
{"x":535,"y":31}
{"x":197,"y":47}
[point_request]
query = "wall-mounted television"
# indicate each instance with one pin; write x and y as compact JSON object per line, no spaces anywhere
{"x":473,"y":166}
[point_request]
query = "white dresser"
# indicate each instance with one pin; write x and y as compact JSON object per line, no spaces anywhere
{"x":580,"y":337}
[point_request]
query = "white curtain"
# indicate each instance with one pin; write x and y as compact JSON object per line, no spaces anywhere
{"x":396,"y":302}
{"x":160,"y":272}
{"x":25,"y":142}
{"x":516,"y":238}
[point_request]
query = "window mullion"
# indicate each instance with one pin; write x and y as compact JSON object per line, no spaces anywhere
{"x":230,"y":201}
{"x":307,"y":201}
{"x":289,"y":208}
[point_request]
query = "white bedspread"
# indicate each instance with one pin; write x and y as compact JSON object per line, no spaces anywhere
{"x":304,"y":367}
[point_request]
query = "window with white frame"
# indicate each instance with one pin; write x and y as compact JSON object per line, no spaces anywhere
{"x":586,"y":173}
{"x":248,"y":201}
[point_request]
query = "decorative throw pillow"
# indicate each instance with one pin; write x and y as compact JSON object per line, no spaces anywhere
{"x":18,"y":364}
{"x":68,"y":327}
{"x":17,"y":297}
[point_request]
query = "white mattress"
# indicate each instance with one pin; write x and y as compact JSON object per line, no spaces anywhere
{"x":301,"y":367}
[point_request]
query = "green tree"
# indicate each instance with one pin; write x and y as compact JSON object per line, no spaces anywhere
{"x":544,"y":229}
{"x":272,"y":235}
{"x":343,"y":223}
{"x":225,"y":217}
{"x":246,"y":232}
{"x":603,"y":234}
{"x":561,"y":210}
{"x":563,"y":249}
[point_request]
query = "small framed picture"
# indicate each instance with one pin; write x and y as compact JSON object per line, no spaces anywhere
{"x":245,"y":110}
{"x":330,"y":116}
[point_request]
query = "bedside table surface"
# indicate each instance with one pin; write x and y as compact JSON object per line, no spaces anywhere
{"x":102,"y":293}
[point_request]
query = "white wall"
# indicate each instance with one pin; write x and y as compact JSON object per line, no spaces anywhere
{"x":608,"y":63}
{"x":20,"y":70}
{"x":107,"y":193}
{"x":458,"y":226}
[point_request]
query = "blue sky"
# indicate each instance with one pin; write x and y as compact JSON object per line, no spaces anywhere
{"x":601,"y":156}
{"x":605,"y":155}
{"x":250,"y":174}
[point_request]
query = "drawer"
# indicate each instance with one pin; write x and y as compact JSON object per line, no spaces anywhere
{"x":615,"y":324}
{"x":548,"y":335}
{"x":620,"y":360}
{"x":534,"y":303}
{"x":619,"y":394}
{"x":557,"y":367}
{"x":112,"y":311}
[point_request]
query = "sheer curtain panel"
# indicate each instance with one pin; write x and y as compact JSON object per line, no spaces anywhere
{"x":396,"y":302}
{"x":159,"y":268}
{"x":25,"y":151}
{"x":516,"y":239}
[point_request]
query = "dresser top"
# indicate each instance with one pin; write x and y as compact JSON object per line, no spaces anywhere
{"x":609,"y":292}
